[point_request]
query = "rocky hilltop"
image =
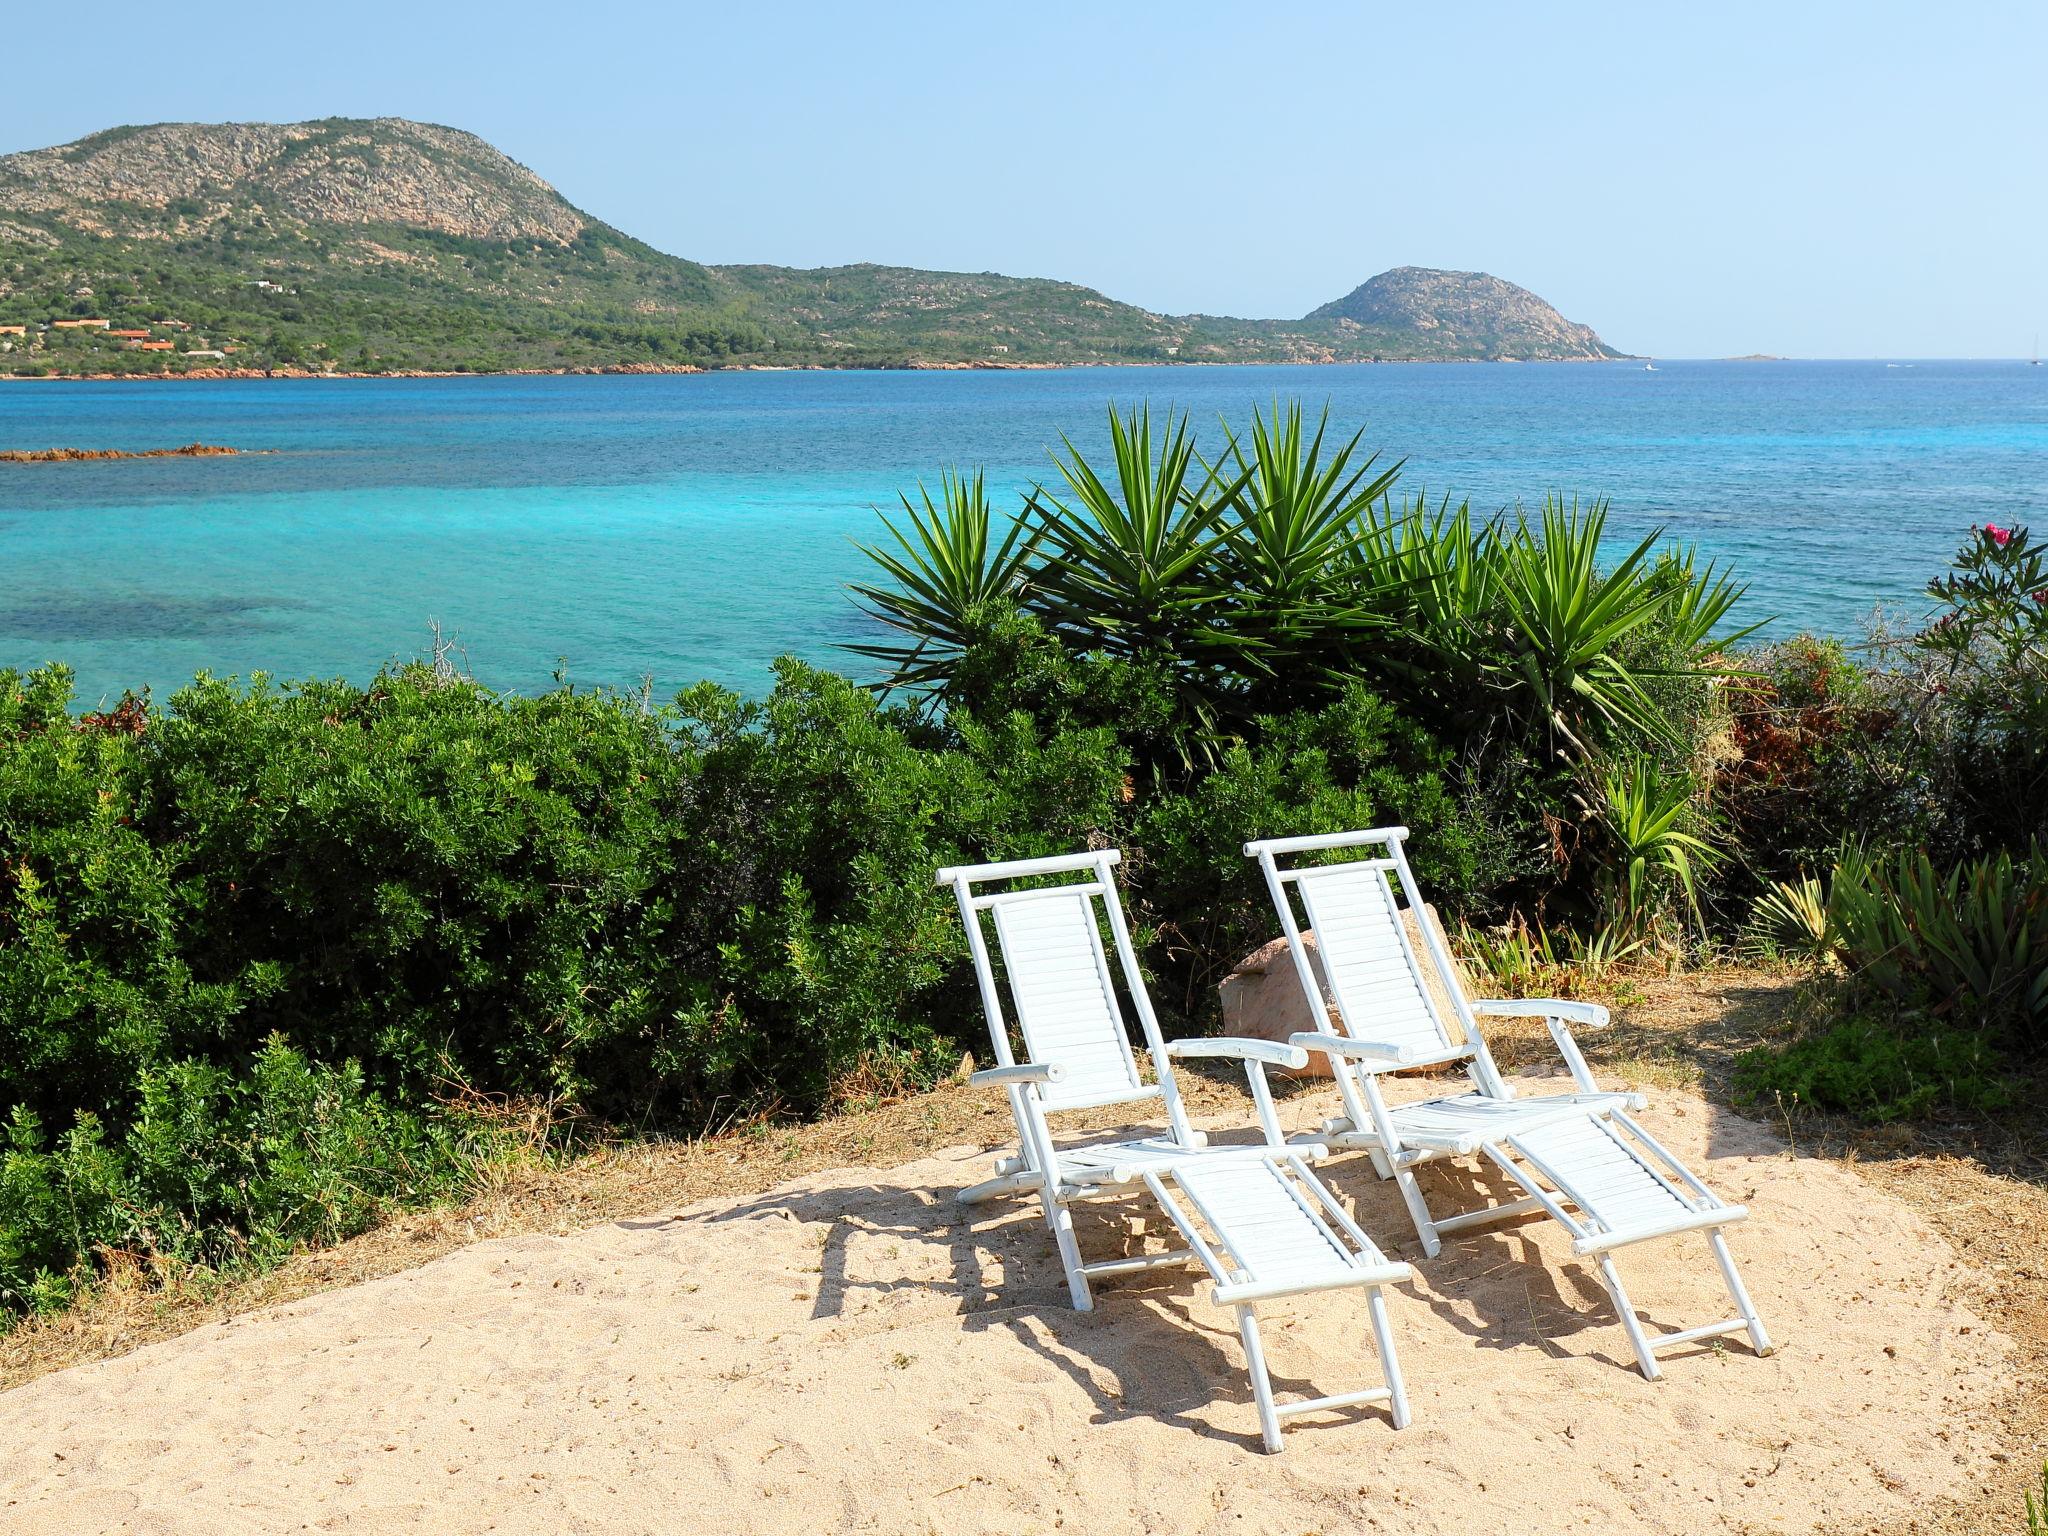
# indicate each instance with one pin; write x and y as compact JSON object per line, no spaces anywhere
{"x":1466,"y":309}
{"x":384,"y":245}
{"x":175,"y":180}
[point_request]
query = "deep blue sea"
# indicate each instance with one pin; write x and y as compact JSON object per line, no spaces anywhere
{"x":697,"y":526}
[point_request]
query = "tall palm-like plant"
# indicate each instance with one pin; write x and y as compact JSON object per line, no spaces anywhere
{"x":1572,"y":621}
{"x":1437,"y":573}
{"x":950,"y":571}
{"x":1128,"y":558}
{"x":1644,"y":811}
{"x":1129,"y":569}
{"x":1288,"y":554}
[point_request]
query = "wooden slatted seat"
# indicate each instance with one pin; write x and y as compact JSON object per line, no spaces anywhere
{"x":1577,"y":1157}
{"x":1255,"y":1217}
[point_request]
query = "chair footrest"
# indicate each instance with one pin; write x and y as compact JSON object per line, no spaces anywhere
{"x":1507,"y":1210}
{"x":1621,"y":1237}
{"x":1142,"y":1261}
{"x":1282,"y":1232}
{"x":1334,"y":1400}
{"x":1693,"y":1335}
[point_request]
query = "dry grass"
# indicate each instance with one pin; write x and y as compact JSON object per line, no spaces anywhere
{"x":1982,"y":1184}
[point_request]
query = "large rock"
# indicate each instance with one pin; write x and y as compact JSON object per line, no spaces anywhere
{"x":1262,"y":999}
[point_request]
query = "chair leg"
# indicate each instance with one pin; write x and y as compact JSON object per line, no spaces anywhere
{"x":1645,"y":1356}
{"x":1062,"y":1222}
{"x":1001,"y":1184}
{"x":1418,"y":1211}
{"x":1759,"y":1340}
{"x":1262,"y":1384}
{"x":1390,"y":1363}
{"x":1380,"y":1165}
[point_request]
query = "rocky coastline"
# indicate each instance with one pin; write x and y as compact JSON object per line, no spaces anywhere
{"x":910,"y":365}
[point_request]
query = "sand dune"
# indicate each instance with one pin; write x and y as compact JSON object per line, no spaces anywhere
{"x":849,"y":1352}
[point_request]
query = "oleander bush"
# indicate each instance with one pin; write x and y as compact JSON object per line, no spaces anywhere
{"x":1893,"y":817}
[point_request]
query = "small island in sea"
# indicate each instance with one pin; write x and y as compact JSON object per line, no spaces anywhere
{"x":77,"y":455}
{"x":385,"y":246}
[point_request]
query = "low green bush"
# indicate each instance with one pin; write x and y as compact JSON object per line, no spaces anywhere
{"x":213,"y":1167}
{"x":1880,"y":1068}
{"x":275,"y":939}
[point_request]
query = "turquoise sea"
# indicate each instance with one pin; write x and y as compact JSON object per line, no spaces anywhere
{"x":696,"y":526}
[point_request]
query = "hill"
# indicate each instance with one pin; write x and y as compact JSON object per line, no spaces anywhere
{"x":388,"y":245}
{"x":1468,"y":311}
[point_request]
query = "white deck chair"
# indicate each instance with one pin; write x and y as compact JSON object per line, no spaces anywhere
{"x":1576,"y":1156}
{"x":1261,"y":1223}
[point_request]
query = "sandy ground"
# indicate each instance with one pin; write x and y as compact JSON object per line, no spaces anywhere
{"x":852,"y":1351}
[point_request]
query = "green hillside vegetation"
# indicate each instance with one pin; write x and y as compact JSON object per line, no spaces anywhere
{"x":386,"y":245}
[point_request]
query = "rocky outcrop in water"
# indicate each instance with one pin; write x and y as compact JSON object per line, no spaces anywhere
{"x":69,"y":455}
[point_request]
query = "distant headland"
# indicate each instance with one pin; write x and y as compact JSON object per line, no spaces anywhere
{"x":390,"y":247}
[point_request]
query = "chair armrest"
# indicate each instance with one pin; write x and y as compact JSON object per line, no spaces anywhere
{"x":1270,"y":1052}
{"x":1023,"y":1072}
{"x":1589,"y":1015}
{"x":1355,"y":1050}
{"x":1558,"y":1017}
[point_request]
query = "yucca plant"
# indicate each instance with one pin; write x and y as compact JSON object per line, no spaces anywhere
{"x":1977,"y":934}
{"x":1129,"y":569}
{"x":1437,"y":574}
{"x":1573,"y":620}
{"x":1287,"y":552}
{"x":1791,"y":918}
{"x":1128,"y":558}
{"x":949,"y":570}
{"x":1644,"y":812}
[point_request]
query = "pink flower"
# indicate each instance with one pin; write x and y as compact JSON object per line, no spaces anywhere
{"x":1997,"y":535}
{"x":2041,"y":597}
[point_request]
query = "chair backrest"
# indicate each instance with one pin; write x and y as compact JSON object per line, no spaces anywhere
{"x":1060,"y":982}
{"x":1385,"y":988}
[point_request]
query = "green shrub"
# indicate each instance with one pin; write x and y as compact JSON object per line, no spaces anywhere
{"x":250,"y":948}
{"x":1936,"y":739}
{"x":806,"y":917}
{"x":1357,"y":763}
{"x":215,"y":1166}
{"x":1880,"y":1069}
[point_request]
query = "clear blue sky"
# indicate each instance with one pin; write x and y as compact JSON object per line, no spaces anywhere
{"x":1810,"y":179}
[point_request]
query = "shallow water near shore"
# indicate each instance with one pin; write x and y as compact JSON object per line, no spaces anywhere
{"x":681,"y":527}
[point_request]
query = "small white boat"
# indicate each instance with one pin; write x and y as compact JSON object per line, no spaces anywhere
{"x":1649,"y":367}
